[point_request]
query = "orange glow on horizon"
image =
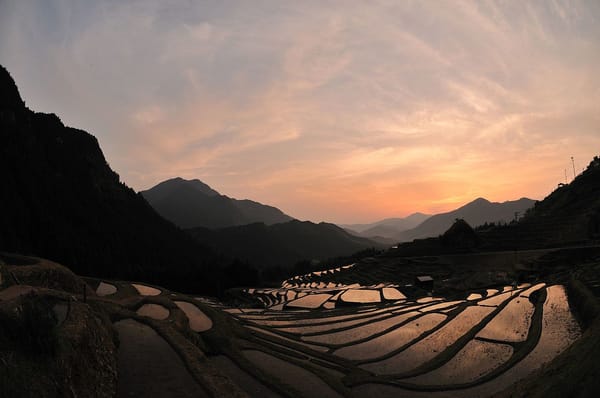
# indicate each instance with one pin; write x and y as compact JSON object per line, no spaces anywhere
{"x":348,"y":112}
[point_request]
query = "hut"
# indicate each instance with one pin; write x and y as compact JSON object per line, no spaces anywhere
{"x":424,"y":282}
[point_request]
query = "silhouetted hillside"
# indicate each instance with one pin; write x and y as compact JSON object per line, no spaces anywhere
{"x":191,"y":203}
{"x":460,"y":236}
{"x":476,"y":213}
{"x":569,"y":215}
{"x":59,"y":199}
{"x":282,"y":244}
{"x":388,"y":228}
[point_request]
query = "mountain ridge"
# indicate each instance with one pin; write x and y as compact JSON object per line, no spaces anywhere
{"x":283,"y":244}
{"x":61,"y":200}
{"x":192,"y":203}
{"x":400,"y":223}
{"x":477,"y":212}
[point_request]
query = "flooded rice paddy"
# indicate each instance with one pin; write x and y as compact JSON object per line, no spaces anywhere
{"x":320,"y":339}
{"x":153,"y":311}
{"x":391,"y":342}
{"x":106,"y":289}
{"x":146,"y":290}
{"x":199,"y":322}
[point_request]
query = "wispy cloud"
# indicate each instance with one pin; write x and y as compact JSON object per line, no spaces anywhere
{"x":335,"y":110}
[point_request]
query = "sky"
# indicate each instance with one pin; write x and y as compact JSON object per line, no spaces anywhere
{"x":341,"y":111}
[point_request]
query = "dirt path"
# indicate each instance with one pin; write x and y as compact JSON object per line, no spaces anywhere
{"x":149,"y":367}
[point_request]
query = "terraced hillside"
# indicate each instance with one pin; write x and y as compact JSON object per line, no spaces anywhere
{"x":313,"y":337}
{"x":401,"y":346}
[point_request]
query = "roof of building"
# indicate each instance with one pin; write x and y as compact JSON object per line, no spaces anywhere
{"x":424,"y":278}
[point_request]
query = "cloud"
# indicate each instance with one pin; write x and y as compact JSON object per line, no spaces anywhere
{"x":344,"y":111}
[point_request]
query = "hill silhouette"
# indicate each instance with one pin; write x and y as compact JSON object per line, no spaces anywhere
{"x":282,"y":244}
{"x":61,"y":200}
{"x":460,"y":235}
{"x":191,"y":203}
{"x":475,"y":213}
{"x":568,"y":215}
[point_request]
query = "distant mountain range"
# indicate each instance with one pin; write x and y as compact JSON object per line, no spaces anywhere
{"x":192,"y":203}
{"x":246,"y":230}
{"x":475,"y":213}
{"x":387,"y":228}
{"x":282,"y":244}
{"x":418,"y":225}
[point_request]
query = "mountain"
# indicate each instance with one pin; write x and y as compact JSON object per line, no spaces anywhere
{"x":388,"y":224}
{"x":282,"y":244}
{"x":191,"y":203}
{"x":388,"y":228}
{"x":475,"y":213}
{"x":60,"y":199}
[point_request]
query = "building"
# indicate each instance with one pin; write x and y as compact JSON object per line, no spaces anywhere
{"x":424,"y":282}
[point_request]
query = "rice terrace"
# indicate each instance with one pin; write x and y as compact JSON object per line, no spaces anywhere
{"x":334,"y":333}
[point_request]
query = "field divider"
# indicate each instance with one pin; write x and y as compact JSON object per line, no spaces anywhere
{"x":526,"y":347}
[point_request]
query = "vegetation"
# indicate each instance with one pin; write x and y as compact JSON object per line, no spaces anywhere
{"x":30,"y":328}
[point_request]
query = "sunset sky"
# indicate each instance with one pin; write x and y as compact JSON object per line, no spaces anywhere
{"x":342,"y":111}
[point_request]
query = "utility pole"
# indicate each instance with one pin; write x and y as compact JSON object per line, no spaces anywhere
{"x":573,"y":163}
{"x":566,"y":182}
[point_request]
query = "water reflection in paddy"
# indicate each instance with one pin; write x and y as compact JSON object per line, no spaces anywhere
{"x":327,"y":318}
{"x":470,"y":360}
{"x":329,"y":326}
{"x":391,"y":293}
{"x":559,"y":330}
{"x":392,"y":340}
{"x":106,"y":289}
{"x":310,"y":301}
{"x":475,"y":360}
{"x":432,"y":345}
{"x":437,"y":307}
{"x":361,"y":296}
{"x":153,"y":311}
{"x":512,"y":323}
{"x":146,"y":290}
{"x":199,"y":322}
{"x":428,"y":299}
{"x":359,"y":332}
{"x":532,"y":289}
{"x":497,"y":299}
